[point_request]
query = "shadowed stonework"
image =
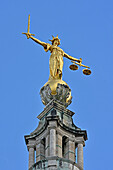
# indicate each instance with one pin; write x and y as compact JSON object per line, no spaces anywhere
{"x":56,"y":143}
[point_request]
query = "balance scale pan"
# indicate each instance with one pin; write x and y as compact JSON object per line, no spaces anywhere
{"x":86,"y":71}
{"x":73,"y":67}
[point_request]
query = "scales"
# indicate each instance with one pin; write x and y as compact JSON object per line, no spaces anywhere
{"x":74,"y":67}
{"x":86,"y":71}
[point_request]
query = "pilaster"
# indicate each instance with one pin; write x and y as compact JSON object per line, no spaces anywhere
{"x":40,"y":150}
{"x":70,"y":149}
{"x":52,"y":142}
{"x":59,"y":145}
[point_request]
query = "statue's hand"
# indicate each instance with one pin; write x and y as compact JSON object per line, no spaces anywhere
{"x":28,"y":35}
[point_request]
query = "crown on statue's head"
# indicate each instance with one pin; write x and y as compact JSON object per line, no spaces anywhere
{"x":55,"y":38}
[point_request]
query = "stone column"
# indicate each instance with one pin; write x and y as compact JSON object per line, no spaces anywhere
{"x":59,"y":145}
{"x":80,"y":155}
{"x":47,"y":146}
{"x":52,"y":142}
{"x":31,"y":156}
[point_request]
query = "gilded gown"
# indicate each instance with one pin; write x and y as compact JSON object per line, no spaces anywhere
{"x":55,"y":61}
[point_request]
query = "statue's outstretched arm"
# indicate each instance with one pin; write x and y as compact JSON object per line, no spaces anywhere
{"x":72,"y":58}
{"x":39,"y":42}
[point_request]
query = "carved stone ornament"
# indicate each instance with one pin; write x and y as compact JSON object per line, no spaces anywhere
{"x":63,"y":94}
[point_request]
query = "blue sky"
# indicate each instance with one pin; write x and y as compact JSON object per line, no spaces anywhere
{"x":86,"y":30}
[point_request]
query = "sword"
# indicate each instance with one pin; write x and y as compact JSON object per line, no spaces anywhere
{"x":28,"y":34}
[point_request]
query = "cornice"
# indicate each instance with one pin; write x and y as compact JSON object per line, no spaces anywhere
{"x":76,"y":132}
{"x":55,"y":104}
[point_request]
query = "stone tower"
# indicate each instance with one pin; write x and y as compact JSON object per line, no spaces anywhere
{"x":56,"y":144}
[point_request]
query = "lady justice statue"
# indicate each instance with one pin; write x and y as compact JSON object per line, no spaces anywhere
{"x":56,"y":88}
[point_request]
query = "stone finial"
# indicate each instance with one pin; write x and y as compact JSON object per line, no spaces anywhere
{"x":63,"y":94}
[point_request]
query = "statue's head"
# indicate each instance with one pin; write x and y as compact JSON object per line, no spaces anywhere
{"x":55,"y":40}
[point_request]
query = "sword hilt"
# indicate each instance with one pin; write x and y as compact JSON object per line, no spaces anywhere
{"x":28,"y":34}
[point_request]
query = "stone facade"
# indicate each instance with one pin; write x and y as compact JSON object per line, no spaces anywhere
{"x":56,"y":140}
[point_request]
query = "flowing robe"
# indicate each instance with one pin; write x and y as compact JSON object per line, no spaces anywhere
{"x":55,"y":62}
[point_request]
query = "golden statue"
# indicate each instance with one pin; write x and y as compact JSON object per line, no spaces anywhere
{"x":56,"y":60}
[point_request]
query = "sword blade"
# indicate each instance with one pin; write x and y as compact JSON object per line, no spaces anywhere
{"x":28,"y":30}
